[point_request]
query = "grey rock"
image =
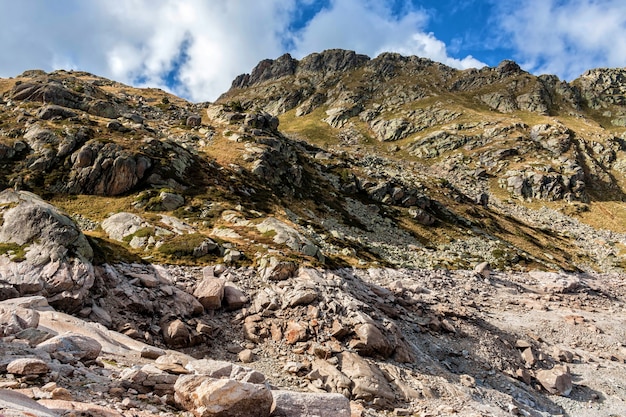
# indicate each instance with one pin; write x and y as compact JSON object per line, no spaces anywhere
{"x":57,"y":260}
{"x":171,"y":201}
{"x":71,"y":346}
{"x":120,"y":225}
{"x":51,"y":111}
{"x":296,"y":404}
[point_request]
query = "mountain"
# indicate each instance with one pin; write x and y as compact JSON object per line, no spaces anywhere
{"x":406,"y":235}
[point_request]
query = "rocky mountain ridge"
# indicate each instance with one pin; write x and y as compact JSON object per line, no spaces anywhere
{"x":377,"y":230}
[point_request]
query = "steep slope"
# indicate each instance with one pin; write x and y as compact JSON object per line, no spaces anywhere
{"x":321,"y":221}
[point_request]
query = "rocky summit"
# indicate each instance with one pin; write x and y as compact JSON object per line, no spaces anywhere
{"x":334,"y":236}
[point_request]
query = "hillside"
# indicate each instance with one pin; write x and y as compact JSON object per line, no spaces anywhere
{"x":326,"y":216}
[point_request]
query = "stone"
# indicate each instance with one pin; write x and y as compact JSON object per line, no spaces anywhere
{"x":529,"y":357}
{"x":175,"y":333}
{"x":296,"y":404}
{"x":483,"y":269}
{"x":77,"y":346}
{"x":151,"y":352}
{"x":557,"y":380}
{"x":28,"y":366}
{"x":171,"y":201}
{"x":234,"y":298}
{"x":15,"y":319}
{"x":57,"y":255}
{"x":210,"y":293}
{"x":371,"y":341}
{"x":16,"y":404}
{"x":295,"y":332}
{"x":246,"y":356}
{"x":369,"y":381}
{"x":52,"y":111}
{"x":209,"y":397}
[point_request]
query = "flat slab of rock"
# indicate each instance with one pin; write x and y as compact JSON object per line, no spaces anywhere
{"x":15,"y":404}
{"x":296,"y":404}
{"x":28,"y":366}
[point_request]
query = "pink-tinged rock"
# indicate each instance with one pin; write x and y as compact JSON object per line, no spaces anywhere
{"x":79,"y":347}
{"x":557,"y":380}
{"x":234,"y":298}
{"x":371,"y":341}
{"x":369,"y":381}
{"x":295,"y":332}
{"x":209,"y":397}
{"x":210,"y":293}
{"x":28,"y":366}
{"x":175,"y":333}
{"x":296,"y":404}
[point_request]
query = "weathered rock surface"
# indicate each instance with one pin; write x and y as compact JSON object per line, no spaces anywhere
{"x":292,"y":404}
{"x":56,"y":255}
{"x":209,"y":397}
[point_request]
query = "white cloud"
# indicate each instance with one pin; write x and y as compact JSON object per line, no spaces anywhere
{"x":205,"y":43}
{"x":566,"y":37}
{"x":370,"y":27}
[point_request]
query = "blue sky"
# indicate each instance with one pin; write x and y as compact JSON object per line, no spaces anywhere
{"x":195,"y":48}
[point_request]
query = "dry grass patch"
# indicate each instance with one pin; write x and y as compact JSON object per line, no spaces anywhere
{"x":96,"y":208}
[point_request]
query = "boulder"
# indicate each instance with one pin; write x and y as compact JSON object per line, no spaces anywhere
{"x":557,"y":380}
{"x":296,"y":404}
{"x":120,"y":225}
{"x":171,"y":201}
{"x":175,"y":333}
{"x":369,"y":382}
{"x":16,"y":404}
{"x":52,"y":257}
{"x":52,"y":111}
{"x":28,"y":366}
{"x":71,"y":346}
{"x":210,"y":293}
{"x":371,"y":341}
{"x":15,"y":319}
{"x":209,"y":397}
{"x":234,"y":298}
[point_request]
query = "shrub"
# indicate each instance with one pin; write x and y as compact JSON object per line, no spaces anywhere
{"x":182,"y":245}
